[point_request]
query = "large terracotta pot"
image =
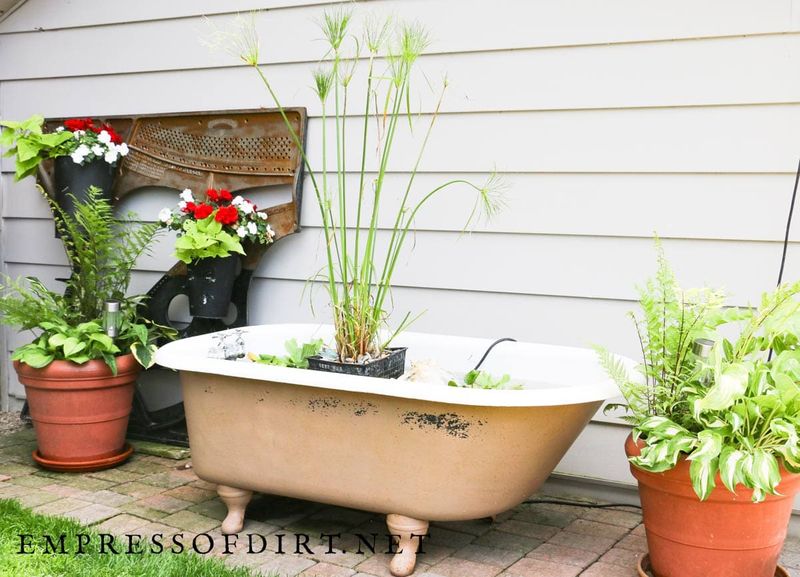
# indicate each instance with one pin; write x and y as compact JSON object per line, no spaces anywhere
{"x":727,"y":535}
{"x":80,"y":412}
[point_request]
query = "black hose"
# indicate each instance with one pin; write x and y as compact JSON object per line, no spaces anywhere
{"x":579,"y":504}
{"x":489,"y":350}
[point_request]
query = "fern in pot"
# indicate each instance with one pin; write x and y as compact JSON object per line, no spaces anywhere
{"x":716,"y":422}
{"x":379,"y":62}
{"x":89,"y":343}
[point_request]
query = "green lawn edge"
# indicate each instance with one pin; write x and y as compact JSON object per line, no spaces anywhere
{"x":16,"y":520}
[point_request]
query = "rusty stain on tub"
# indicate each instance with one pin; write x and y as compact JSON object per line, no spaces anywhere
{"x":453,"y":424}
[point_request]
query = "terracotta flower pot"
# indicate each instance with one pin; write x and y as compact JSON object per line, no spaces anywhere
{"x":80,"y":412}
{"x":726,"y":535}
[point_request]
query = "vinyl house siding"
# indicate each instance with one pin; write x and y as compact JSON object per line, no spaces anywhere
{"x":610,"y":120}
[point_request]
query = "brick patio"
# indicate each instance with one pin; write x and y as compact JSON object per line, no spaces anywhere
{"x":151,"y":494}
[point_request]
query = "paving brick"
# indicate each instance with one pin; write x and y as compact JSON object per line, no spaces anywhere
{"x":634,"y":543}
{"x":790,"y":559}
{"x":35,"y":498}
{"x":214,"y":509}
{"x":378,"y":565}
{"x":191,"y":494}
{"x":86,"y":483}
{"x":141,"y":467}
{"x":530,"y":567}
{"x":164,"y":503}
{"x":476,"y":528}
{"x":607,"y":570}
{"x":12,"y":491}
{"x":109,"y":498}
{"x":445,"y":537}
{"x":517,"y":527}
{"x":455,"y":567}
{"x":4,"y":478}
{"x":30,"y":481}
{"x":136,"y":508}
{"x":286,"y":565}
{"x":190,"y":521}
{"x":505,"y":540}
{"x":625,"y":519}
{"x":17,"y":469}
{"x":433,"y":553}
{"x":342,"y":516}
{"x":200,"y":484}
{"x":153,"y":528}
{"x":61,"y":506}
{"x":116,"y":476}
{"x":543,"y":516}
{"x":561,"y":554}
{"x":639,"y":530}
{"x":168,"y":480}
{"x":591,"y":543}
{"x":93,"y":513}
{"x":67,"y":491}
{"x":327,"y":570}
{"x":137,"y":490}
{"x":488,"y":555}
{"x":621,"y":557}
{"x":121,"y":524}
{"x":586,"y":527}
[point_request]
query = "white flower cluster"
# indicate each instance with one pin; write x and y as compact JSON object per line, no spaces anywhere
{"x":104,"y":148}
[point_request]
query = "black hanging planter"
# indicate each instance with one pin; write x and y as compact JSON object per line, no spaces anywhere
{"x":390,"y":366}
{"x":75,"y":179}
{"x":209,"y":286}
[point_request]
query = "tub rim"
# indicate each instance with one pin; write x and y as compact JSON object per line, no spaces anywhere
{"x":181,"y":355}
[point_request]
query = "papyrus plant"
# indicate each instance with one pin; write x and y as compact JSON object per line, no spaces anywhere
{"x":358,"y":273}
{"x":736,"y":413}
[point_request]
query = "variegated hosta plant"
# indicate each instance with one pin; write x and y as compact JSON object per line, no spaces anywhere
{"x":735,"y":413}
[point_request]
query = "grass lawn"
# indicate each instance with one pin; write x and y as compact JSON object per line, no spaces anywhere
{"x":15,"y":520}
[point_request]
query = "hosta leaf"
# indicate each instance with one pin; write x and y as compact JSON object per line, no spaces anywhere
{"x":731,"y":384}
{"x":730,"y":461}
{"x":702,"y":472}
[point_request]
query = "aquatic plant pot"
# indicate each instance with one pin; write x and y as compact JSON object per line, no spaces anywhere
{"x":727,"y":535}
{"x":75,"y":179}
{"x":209,"y":285}
{"x":80,"y":412}
{"x":417,"y":451}
{"x":390,"y":366}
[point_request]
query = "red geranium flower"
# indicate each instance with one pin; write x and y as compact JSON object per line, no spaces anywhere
{"x":212,"y":195}
{"x":202,"y":210}
{"x":74,"y":124}
{"x":225,"y":195}
{"x":190,"y":206}
{"x":227,"y":215}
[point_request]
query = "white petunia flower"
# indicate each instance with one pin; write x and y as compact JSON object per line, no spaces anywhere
{"x":60,"y":129}
{"x":237,"y":200}
{"x":241,"y":232}
{"x":262,"y":215}
{"x":78,"y":133}
{"x":165,"y":215}
{"x":98,"y":150}
{"x":77,"y":158}
{"x":187,"y":195}
{"x":104,"y":137}
{"x":111,"y":156}
{"x":182,"y":204}
{"x":252,"y":228}
{"x":83,"y":150}
{"x":122,"y":149}
{"x":246,"y":207}
{"x":270,"y":232}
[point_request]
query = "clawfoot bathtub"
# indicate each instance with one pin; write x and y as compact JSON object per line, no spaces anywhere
{"x":418,"y":452}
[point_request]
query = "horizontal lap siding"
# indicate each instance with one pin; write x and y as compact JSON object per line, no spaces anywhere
{"x":610,"y":121}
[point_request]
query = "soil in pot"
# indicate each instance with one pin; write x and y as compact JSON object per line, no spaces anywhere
{"x":727,"y":535}
{"x":390,"y":366}
{"x":75,"y":179}
{"x":209,"y":286}
{"x":80,"y":412}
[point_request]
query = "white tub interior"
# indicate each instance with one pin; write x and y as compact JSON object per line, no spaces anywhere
{"x":551,"y":375}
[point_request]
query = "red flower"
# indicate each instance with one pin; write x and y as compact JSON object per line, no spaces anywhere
{"x":202,"y":210}
{"x":190,"y":206}
{"x":74,"y":124}
{"x":227,"y":215}
{"x":212,"y":195}
{"x":225,"y":195}
{"x":115,"y":137}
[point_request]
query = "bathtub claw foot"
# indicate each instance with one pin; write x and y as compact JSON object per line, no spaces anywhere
{"x":410,"y":531}
{"x":236,"y":501}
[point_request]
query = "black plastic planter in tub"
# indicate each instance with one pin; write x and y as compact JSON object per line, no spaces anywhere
{"x":390,"y":366}
{"x":75,"y":179}
{"x":209,"y":286}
